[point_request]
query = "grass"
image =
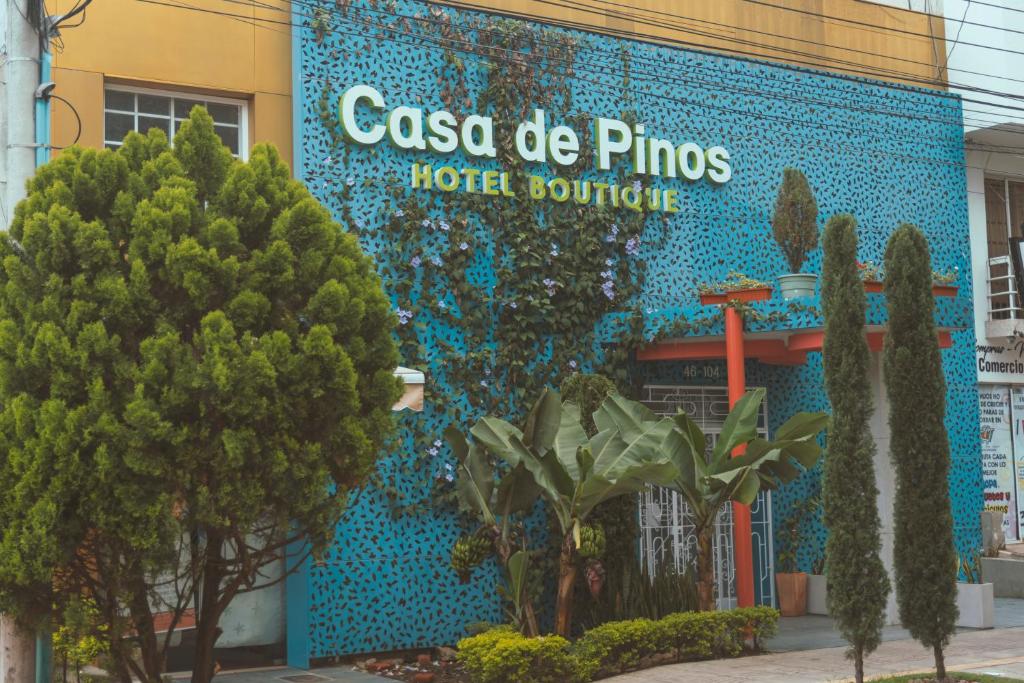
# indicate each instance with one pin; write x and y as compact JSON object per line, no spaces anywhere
{"x":956,"y":676}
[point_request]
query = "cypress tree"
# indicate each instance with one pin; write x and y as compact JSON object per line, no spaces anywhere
{"x":857,"y":582}
{"x":925,"y":559}
{"x":795,"y":221}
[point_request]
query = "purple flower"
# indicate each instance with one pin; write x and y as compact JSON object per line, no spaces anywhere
{"x":426,"y":223}
{"x":554,"y":250}
{"x":637,"y":186}
{"x":444,"y":226}
{"x":608,"y":287}
{"x":436,"y":261}
{"x":483,"y":383}
{"x":415,"y":262}
{"x":606,"y":274}
{"x":404,"y":316}
{"x":350,"y":181}
{"x":633,"y":246}
{"x":615,"y":229}
{"x":572,"y":364}
{"x":437,"y":444}
{"x":399,"y":213}
{"x":433,"y":451}
{"x":549,"y":284}
{"x":442,"y":305}
{"x":327,"y":159}
{"x":609,"y":262}
{"x":463,"y":246}
{"x":514,"y":305}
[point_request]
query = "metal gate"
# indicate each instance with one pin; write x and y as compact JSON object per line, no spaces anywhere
{"x":666,"y":525}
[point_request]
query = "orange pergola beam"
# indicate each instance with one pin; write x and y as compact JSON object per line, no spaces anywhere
{"x":742,"y":531}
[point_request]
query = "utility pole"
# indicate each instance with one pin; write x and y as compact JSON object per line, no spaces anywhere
{"x":19,"y":78}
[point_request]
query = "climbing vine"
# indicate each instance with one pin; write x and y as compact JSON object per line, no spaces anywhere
{"x":523,"y":283}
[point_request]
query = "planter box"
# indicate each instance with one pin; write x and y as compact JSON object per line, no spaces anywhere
{"x":792,"y":591}
{"x":1005,"y":574}
{"x":817,"y":594}
{"x":873,"y":287}
{"x":945,"y":290}
{"x":976,"y":602}
{"x":741,"y":295}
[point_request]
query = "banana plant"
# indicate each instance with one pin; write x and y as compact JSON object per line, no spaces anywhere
{"x":709,"y":482}
{"x":575,"y":473}
{"x":498,"y":500}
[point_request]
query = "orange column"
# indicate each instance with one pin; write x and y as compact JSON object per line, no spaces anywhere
{"x":743,"y":552}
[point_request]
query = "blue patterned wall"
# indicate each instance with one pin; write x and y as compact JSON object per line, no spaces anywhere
{"x":885,"y":154}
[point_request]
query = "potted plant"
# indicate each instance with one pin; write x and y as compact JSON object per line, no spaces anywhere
{"x":795,"y":227}
{"x":974,"y":599}
{"x":790,"y":582}
{"x":735,"y":287}
{"x":871,"y":276}
{"x":942,"y":283}
{"x":817,"y":588}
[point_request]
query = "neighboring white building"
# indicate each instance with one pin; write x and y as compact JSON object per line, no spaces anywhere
{"x":985,"y":57}
{"x":980,"y":46}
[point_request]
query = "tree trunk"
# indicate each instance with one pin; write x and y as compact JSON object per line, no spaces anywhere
{"x":207,"y":630}
{"x":858,"y":664}
{"x":940,"y":664}
{"x":566,"y":583}
{"x":150,"y":652}
{"x":705,"y":571}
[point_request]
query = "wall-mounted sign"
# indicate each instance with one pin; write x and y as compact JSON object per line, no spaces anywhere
{"x":1000,"y":362}
{"x":998,"y":441}
{"x":363,"y":121}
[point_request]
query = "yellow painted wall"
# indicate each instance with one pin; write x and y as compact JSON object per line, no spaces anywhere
{"x":144,"y":44}
{"x":739,"y":26}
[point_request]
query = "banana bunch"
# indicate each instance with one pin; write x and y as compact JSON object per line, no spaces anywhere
{"x":592,"y":540}
{"x":468,"y":552}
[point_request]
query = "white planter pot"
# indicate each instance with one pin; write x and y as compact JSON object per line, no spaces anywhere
{"x":976,"y":602}
{"x":797,"y":285}
{"x":816,"y":594}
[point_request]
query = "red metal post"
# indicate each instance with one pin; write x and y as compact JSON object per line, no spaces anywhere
{"x":742,"y":533}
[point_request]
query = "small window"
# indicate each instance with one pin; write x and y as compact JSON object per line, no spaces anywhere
{"x":137,"y":109}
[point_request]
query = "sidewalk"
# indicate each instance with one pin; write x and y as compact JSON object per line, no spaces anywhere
{"x":999,"y":651}
{"x":809,"y":650}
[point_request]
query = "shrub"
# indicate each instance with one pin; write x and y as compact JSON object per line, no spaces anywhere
{"x":503,"y":654}
{"x":694,"y":635}
{"x":617,"y":646}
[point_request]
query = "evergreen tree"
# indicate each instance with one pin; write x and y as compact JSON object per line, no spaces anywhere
{"x":857,"y":581}
{"x":195,"y":370}
{"x":925,"y":558}
{"x":795,"y":221}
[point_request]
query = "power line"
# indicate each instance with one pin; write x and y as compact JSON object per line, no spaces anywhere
{"x":893,"y":29}
{"x":857,"y":72}
{"x":803,"y":40}
{"x":722,"y":86}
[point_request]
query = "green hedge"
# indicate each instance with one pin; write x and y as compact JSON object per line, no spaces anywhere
{"x":503,"y":654}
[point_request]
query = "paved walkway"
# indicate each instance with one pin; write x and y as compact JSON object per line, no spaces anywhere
{"x":806,"y":650}
{"x":999,"y":651}
{"x":809,"y":650}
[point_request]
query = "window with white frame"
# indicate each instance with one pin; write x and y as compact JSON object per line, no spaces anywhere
{"x":1004,"y":219}
{"x":138,"y":109}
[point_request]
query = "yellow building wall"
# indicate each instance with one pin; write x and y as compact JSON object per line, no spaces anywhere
{"x":143,"y":44}
{"x":916,"y":49}
{"x":248,"y":55}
